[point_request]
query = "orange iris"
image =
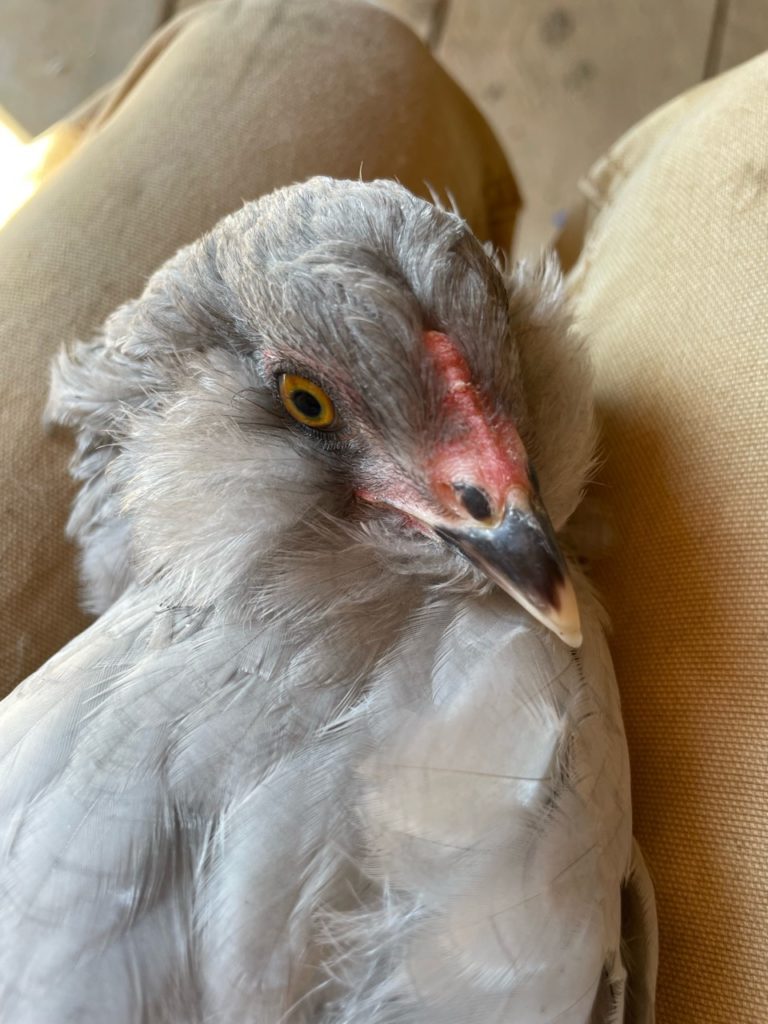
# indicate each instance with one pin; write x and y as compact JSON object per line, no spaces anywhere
{"x":306,"y":401}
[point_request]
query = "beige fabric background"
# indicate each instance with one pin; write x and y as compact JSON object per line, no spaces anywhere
{"x":227,"y":103}
{"x":672,"y":291}
{"x":240,"y":97}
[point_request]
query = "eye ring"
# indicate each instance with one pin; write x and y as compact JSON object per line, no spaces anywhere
{"x":306,"y":401}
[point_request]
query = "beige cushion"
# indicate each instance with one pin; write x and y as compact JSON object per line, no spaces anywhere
{"x":228,"y":102}
{"x":672,"y":289}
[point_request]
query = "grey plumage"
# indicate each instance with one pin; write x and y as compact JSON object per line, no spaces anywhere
{"x":309,"y":765}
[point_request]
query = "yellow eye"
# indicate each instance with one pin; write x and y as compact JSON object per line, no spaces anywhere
{"x":306,"y":401}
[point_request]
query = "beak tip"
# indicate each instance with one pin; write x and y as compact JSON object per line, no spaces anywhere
{"x":566,"y":622}
{"x":562,"y":618}
{"x":567,"y":628}
{"x":573,"y":638}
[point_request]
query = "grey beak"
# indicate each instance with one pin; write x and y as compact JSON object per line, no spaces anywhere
{"x":522,"y":556}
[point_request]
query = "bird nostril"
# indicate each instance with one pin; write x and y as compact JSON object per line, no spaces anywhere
{"x":474,"y":500}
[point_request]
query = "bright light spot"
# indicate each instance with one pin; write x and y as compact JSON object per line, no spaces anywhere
{"x":24,"y":163}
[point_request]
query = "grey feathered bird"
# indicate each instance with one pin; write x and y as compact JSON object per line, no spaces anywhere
{"x":310,"y":764}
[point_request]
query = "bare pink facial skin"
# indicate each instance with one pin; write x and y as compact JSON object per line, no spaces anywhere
{"x":485,"y":450}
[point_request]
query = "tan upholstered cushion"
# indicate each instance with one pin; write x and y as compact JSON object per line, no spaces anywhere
{"x":672,"y":288}
{"x":229,"y":102}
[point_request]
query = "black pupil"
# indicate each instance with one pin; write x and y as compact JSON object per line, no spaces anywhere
{"x":307,"y":404}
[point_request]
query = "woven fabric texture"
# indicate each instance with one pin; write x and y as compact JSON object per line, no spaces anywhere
{"x":671,"y":288}
{"x":225,"y":104}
